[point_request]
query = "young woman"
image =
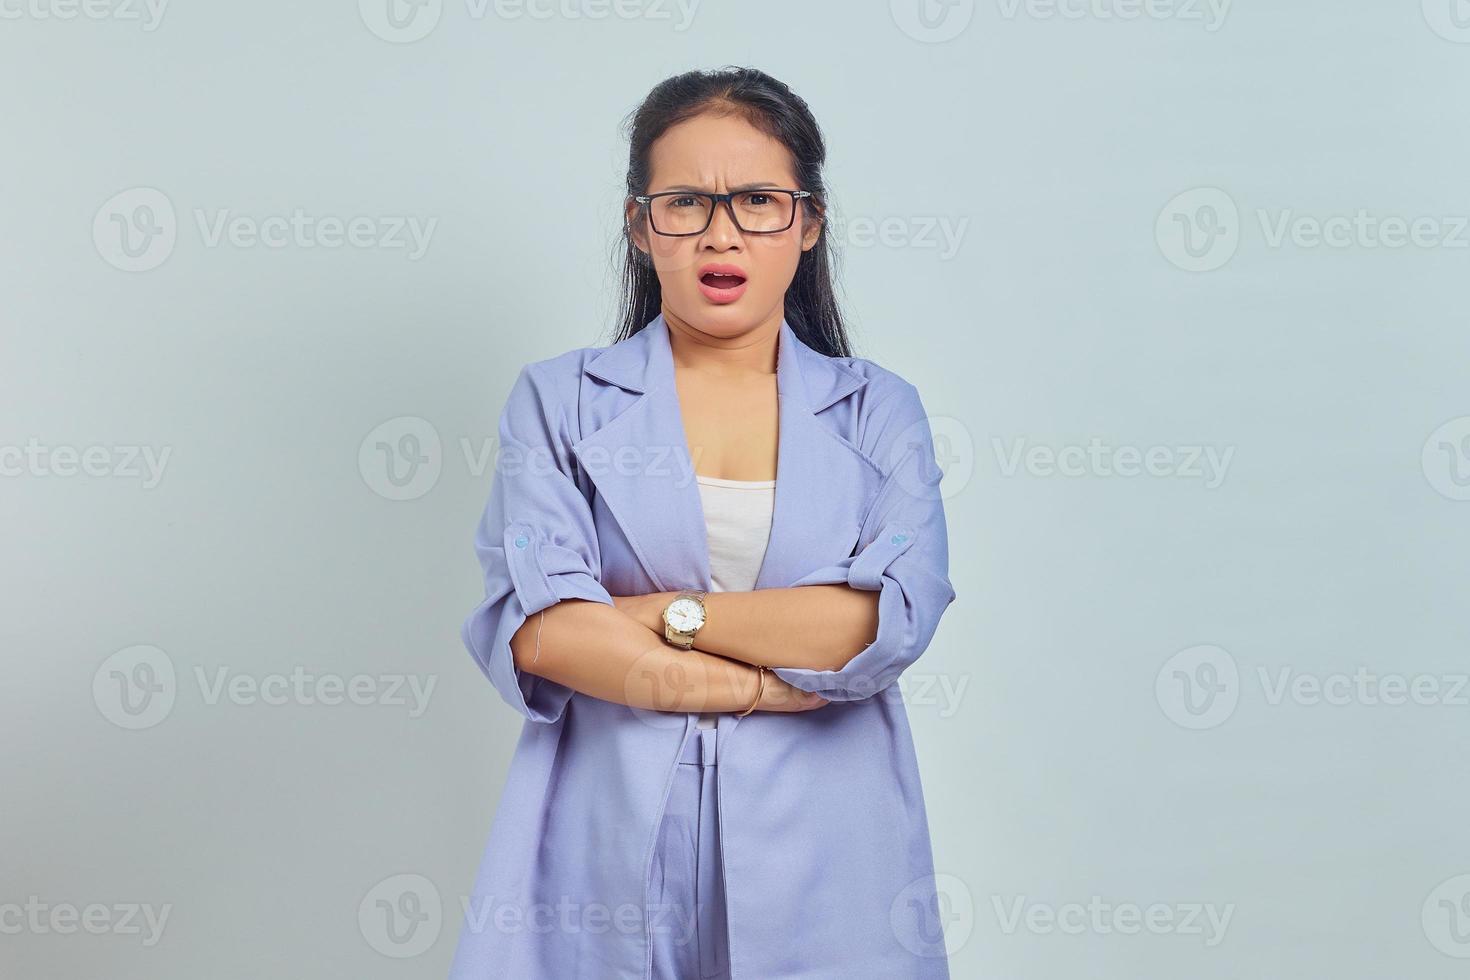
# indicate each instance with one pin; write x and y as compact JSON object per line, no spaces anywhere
{"x":710,"y":549}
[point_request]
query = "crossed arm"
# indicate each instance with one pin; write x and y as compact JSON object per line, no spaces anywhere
{"x":818,"y":627}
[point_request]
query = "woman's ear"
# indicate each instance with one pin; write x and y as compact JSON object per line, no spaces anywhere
{"x":637,"y":228}
{"x":811,"y":227}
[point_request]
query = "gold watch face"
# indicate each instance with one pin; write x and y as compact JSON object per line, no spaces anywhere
{"x":685,"y":615}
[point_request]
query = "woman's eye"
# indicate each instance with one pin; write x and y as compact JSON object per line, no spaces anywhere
{"x":683,"y":202}
{"x":757,"y":200}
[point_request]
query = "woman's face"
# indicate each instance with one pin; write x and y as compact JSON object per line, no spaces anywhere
{"x":717,"y":154}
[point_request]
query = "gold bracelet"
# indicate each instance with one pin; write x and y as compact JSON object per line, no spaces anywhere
{"x":760,"y":689}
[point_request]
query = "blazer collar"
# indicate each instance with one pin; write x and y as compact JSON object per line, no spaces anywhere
{"x":822,"y":479}
{"x":645,"y":360}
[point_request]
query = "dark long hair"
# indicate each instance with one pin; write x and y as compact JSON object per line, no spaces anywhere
{"x":768,"y":105}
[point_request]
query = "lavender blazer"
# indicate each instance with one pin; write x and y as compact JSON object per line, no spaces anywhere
{"x":827,"y":861}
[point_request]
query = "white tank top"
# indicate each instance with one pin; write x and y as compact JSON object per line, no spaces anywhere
{"x":737,"y":517}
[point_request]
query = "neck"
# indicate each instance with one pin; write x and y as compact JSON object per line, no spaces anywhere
{"x":752,"y":351}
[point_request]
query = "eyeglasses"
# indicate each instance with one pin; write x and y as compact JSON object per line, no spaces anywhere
{"x":677,"y":214}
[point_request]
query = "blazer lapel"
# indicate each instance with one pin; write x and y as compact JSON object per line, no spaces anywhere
{"x":641,"y":466}
{"x":814,"y":465}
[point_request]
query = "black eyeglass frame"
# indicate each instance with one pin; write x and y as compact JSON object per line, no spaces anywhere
{"x":647,"y":199}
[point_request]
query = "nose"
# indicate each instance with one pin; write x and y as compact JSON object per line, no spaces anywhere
{"x":722,"y":233}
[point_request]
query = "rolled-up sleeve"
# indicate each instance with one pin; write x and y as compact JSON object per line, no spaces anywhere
{"x":902,"y":554}
{"x":536,"y":542}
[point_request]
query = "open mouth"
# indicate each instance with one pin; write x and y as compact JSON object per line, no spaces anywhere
{"x":721,"y":280}
{"x":721,"y":283}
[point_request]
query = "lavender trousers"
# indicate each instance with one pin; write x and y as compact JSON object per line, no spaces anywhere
{"x":686,"y":893}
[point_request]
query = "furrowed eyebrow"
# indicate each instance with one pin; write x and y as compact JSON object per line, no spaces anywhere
{"x":690,"y":188}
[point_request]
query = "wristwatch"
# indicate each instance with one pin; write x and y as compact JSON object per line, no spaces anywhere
{"x":683,"y":617}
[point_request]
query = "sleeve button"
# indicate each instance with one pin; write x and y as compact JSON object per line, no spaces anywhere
{"x":899,"y":538}
{"x":522,"y":541}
